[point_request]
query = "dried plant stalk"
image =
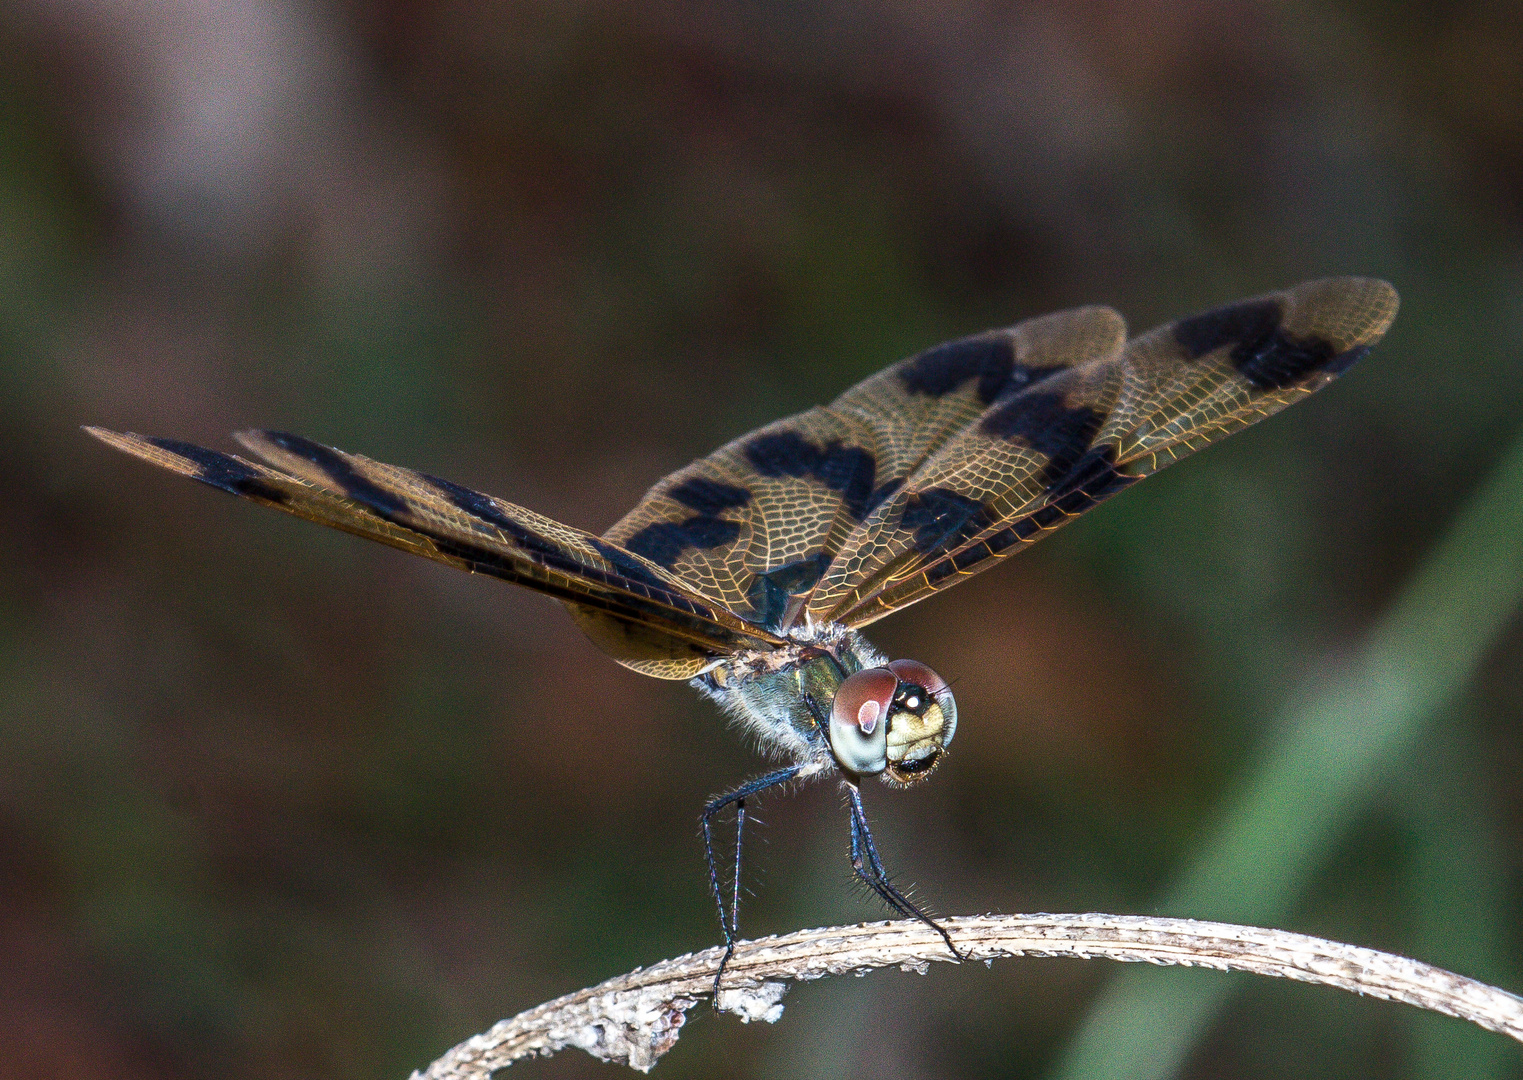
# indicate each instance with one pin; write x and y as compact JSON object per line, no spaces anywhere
{"x":635,"y":1018}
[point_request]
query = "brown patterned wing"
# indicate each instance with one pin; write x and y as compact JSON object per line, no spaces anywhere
{"x":1042,"y":454}
{"x":756,"y":524}
{"x":637,"y":612}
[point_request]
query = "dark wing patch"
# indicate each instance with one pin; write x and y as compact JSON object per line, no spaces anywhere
{"x":337,"y":469}
{"x":708,"y":497}
{"x":846,"y":470}
{"x":1048,"y":424}
{"x":222,"y":471}
{"x":646,"y":619}
{"x":940,"y":370}
{"x":773,"y":595}
{"x":814,"y":479}
{"x":1042,"y":454}
{"x":1245,"y":326}
{"x":938,"y":518}
{"x":664,"y":542}
{"x":1261,"y":350}
{"x":987,"y":360}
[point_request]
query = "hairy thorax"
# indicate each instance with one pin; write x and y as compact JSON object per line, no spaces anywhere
{"x":778,"y":695}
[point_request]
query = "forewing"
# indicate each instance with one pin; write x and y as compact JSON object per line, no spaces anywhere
{"x":635,"y":611}
{"x":1043,"y":454}
{"x":759,"y":523}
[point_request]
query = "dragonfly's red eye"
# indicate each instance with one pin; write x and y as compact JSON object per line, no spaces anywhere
{"x":859,"y":720}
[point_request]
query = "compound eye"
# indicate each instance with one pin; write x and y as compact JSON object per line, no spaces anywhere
{"x":859,"y":720}
{"x":913,"y":676}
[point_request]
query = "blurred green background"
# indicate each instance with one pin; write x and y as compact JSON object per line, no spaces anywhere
{"x":276,"y":803}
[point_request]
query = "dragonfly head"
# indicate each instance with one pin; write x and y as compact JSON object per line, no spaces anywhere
{"x":895,"y":721}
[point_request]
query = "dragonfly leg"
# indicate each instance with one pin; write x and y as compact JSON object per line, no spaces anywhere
{"x":729,"y":921}
{"x":865,"y":861}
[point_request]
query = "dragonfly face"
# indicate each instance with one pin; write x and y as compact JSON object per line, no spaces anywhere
{"x":893,"y":721}
{"x":832,"y":702}
{"x":751,"y":572}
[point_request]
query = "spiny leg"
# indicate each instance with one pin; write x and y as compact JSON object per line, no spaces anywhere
{"x":729,"y":922}
{"x":740,"y":828}
{"x":865,"y":861}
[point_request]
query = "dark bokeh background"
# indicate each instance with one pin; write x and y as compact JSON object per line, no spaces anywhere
{"x":276,"y":803}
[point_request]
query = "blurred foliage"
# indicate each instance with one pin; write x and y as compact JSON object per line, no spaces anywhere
{"x":276,"y":804}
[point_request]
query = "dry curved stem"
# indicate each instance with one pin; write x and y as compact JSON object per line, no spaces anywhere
{"x":635,"y":1018}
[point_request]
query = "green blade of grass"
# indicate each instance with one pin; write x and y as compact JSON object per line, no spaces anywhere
{"x":1322,"y":765}
{"x":1457,"y":894}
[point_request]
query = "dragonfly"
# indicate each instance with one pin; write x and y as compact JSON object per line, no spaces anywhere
{"x":752,"y":572}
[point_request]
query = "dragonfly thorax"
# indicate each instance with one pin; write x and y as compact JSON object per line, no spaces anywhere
{"x":829,"y":699}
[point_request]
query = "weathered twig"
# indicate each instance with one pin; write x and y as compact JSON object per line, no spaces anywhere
{"x":636,"y":1018}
